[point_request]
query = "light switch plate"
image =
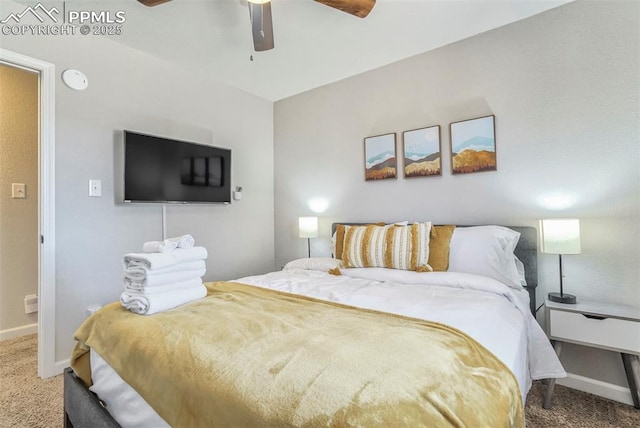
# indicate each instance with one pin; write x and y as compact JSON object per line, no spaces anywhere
{"x":18,"y":190}
{"x":95,"y":188}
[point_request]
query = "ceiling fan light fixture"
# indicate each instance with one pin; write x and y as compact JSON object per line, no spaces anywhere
{"x":261,"y":25}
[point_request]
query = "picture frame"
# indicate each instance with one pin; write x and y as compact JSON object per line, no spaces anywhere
{"x":473,"y":145}
{"x":422,"y":150}
{"x":380,"y":160}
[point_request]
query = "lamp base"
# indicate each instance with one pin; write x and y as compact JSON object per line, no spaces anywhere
{"x":562,"y":298}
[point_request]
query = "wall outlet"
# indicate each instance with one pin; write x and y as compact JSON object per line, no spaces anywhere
{"x":18,"y":190}
{"x":92,"y":309}
{"x":30,"y":303}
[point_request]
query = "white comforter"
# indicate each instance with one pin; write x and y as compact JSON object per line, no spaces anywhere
{"x":492,"y":313}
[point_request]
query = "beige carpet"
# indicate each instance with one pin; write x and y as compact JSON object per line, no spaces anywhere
{"x":29,"y":402}
{"x":26,"y":401}
{"x":571,"y":408}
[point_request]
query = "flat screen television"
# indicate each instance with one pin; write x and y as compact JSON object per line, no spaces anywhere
{"x":164,"y":170}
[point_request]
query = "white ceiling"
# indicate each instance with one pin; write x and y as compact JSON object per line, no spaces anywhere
{"x":314,"y":44}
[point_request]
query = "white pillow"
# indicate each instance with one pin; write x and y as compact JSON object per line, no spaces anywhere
{"x":520,"y":269}
{"x":323,"y":264}
{"x":485,"y":250}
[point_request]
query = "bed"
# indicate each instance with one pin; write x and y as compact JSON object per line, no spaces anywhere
{"x":340,"y":346}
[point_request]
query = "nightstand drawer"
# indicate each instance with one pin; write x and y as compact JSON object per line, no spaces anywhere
{"x":616,"y":334}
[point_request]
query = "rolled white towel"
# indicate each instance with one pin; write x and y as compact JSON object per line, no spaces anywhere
{"x":184,"y":241}
{"x":150,"y":281}
{"x":181,"y":285}
{"x":153,"y":261}
{"x":159,"y":246}
{"x":149,"y":304}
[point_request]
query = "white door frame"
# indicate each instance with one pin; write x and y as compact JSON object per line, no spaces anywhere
{"x":46,"y":209}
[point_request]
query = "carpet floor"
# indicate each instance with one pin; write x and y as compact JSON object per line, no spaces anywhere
{"x":27,"y":401}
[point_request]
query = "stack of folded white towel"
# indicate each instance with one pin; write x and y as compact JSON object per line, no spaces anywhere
{"x":165,"y":275}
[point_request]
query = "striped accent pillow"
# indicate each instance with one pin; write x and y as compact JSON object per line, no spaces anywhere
{"x":420,"y":236}
{"x":364,"y":246}
{"x":390,"y":246}
{"x":338,"y":239}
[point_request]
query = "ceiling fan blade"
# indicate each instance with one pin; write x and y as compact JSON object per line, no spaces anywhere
{"x":261,"y":26}
{"x":359,"y":8}
{"x":153,"y":2}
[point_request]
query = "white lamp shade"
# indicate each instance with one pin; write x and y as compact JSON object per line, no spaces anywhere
{"x":560,"y":236}
{"x":308,"y":227}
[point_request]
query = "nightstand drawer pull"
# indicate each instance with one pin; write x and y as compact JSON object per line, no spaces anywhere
{"x":594,"y":317}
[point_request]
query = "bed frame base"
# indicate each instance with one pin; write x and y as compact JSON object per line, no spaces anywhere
{"x":82,"y":408}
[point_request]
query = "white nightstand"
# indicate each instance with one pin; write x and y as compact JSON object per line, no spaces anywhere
{"x":598,"y":325}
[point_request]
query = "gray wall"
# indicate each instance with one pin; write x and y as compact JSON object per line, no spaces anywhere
{"x":130,"y":90}
{"x":18,"y":217}
{"x":565,"y":91}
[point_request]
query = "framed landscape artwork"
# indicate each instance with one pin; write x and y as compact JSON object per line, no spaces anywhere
{"x":473,"y":145}
{"x":380,"y":157}
{"x":422,"y":152}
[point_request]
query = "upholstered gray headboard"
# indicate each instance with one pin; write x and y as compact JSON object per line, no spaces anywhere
{"x":526,"y":251}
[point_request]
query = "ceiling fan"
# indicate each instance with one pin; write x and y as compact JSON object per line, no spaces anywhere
{"x":262,"y":25}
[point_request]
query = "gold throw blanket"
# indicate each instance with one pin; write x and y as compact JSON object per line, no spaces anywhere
{"x":251,"y":357}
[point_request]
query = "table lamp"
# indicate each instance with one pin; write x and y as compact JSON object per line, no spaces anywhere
{"x":308,"y":228}
{"x":561,"y":236}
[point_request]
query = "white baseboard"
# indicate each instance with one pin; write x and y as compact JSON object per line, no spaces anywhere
{"x":61,"y":365}
{"x":19,"y":331}
{"x":597,"y":387}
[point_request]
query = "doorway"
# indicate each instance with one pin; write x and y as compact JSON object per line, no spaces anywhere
{"x":18,"y":201}
{"x":45,"y":236}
